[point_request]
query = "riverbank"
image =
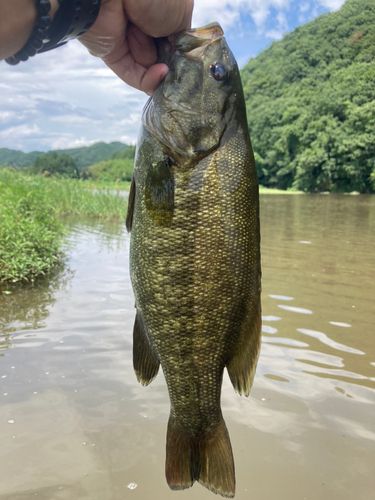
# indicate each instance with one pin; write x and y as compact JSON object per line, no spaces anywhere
{"x":31,"y":233}
{"x":266,"y":190}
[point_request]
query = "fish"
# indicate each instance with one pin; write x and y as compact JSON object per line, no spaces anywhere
{"x":193,"y":214}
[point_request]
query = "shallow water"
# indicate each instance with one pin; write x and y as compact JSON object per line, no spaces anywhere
{"x":74,"y":423}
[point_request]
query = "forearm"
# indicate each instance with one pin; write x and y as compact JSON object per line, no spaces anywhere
{"x":17,"y":19}
{"x":119,"y":31}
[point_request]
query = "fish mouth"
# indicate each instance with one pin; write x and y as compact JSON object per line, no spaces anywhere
{"x":190,"y":43}
{"x":193,"y":42}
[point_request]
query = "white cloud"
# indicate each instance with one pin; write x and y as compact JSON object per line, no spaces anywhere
{"x":21,"y":131}
{"x":282,"y":27}
{"x":67,"y":96}
{"x":331,"y":4}
{"x":131,"y":120}
{"x":64,"y":98}
{"x":128,"y":140}
{"x":68,"y":141}
{"x":304,"y":7}
{"x":74,"y":120}
{"x":6,"y":116}
{"x":228,"y":12}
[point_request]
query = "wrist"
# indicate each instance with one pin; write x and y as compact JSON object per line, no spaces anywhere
{"x":52,"y":28}
{"x":15,"y":29}
{"x":55,"y":4}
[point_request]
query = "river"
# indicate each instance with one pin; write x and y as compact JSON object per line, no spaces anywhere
{"x":75,"y":424}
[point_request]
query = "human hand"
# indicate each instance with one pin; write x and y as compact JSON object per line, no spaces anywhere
{"x":123,"y":36}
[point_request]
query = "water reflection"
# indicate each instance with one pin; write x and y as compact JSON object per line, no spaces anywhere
{"x":83,"y":427}
{"x":27,"y":306}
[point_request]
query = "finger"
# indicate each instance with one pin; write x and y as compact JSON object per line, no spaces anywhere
{"x":141,"y":46}
{"x":136,"y":75}
{"x":187,"y":16}
{"x":160,"y":18}
{"x":153,"y":77}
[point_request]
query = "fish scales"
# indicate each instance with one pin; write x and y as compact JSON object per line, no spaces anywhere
{"x":195,"y":270}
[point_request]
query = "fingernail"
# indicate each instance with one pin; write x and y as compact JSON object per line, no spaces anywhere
{"x":164,"y":74}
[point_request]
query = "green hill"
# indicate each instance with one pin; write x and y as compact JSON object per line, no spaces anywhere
{"x":83,"y":156}
{"x":310,"y":102}
{"x":89,"y":155}
{"x":119,"y":166}
{"x":18,"y":158}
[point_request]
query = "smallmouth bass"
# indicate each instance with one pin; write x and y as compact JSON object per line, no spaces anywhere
{"x":194,"y":251}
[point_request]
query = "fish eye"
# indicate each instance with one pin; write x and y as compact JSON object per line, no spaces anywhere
{"x":219,"y":71}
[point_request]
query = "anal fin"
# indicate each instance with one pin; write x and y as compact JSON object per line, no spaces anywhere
{"x":242,"y":365}
{"x":145,"y":361}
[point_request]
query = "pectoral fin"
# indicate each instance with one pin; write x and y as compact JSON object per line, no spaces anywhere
{"x":145,"y":361}
{"x":159,"y":192}
{"x":242,"y":365}
{"x":131,"y":201}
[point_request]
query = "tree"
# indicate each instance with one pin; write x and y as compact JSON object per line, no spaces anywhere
{"x":56,"y":164}
{"x":310,"y":101}
{"x":119,"y":166}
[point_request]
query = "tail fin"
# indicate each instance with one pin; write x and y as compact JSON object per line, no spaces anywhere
{"x":207,"y":459}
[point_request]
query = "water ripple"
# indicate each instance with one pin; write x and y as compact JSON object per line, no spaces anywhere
{"x":281,"y":297}
{"x":336,"y":323}
{"x":326,"y":340}
{"x":268,"y":329}
{"x":299,"y":310}
{"x":284,"y":341}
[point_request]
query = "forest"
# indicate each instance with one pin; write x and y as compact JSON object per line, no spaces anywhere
{"x":310,"y":102}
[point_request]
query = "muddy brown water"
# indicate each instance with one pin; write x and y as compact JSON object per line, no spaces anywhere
{"x":75,"y":424}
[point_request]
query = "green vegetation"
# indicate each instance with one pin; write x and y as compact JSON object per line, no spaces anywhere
{"x":83,"y":156}
{"x":310,"y":102}
{"x":56,"y":164}
{"x":119,"y":167}
{"x":68,"y":196}
{"x":266,"y":190}
{"x":107,"y":185}
{"x":31,"y":234}
{"x":19,"y":159}
{"x":89,"y":155}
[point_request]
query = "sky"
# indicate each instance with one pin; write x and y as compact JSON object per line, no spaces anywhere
{"x":66,"y":98}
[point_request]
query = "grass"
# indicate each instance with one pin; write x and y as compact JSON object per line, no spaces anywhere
{"x":108,"y":185}
{"x":31,"y":233}
{"x":68,"y":196}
